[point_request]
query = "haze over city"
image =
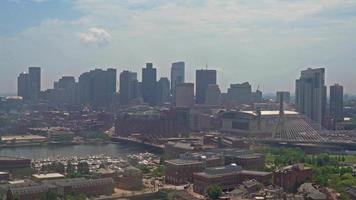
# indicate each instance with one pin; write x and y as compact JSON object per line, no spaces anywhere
{"x":266,"y":43}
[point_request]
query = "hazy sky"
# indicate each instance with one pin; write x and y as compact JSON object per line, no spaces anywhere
{"x":265,"y":42}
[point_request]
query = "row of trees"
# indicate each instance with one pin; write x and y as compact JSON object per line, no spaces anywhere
{"x":70,"y":169}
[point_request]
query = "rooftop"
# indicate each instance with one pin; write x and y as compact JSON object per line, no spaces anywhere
{"x":48,"y":176}
{"x":183,"y":162}
{"x":21,"y":137}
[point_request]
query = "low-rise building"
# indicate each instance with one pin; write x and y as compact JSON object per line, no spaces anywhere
{"x":249,"y":161}
{"x":290,"y":177}
{"x":351,"y":191}
{"x":180,"y":171}
{"x":227,"y":177}
{"x":10,"y":163}
{"x":172,"y":150}
{"x":49,"y":176}
{"x":23,"y":139}
{"x":130,"y":179}
{"x":31,"y":190}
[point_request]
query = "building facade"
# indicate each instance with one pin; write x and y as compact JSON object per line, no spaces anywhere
{"x":336,"y":102}
{"x":203,"y":78}
{"x":311,"y":94}
{"x":149,"y":84}
{"x":240,"y":93}
{"x":184,"y":95}
{"x":177,"y":75}
{"x":128,"y":87}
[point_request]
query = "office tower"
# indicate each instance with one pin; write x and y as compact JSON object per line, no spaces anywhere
{"x":285,"y":94}
{"x":64,"y":91}
{"x":29,"y":84}
{"x":34,"y":82}
{"x":336,"y":101}
{"x":97,"y":87}
{"x":163,"y":90}
{"x":240,"y":93}
{"x":111,"y":76}
{"x":203,"y":78}
{"x":149,"y":84}
{"x":84,"y":88}
{"x":257,"y":96}
{"x":128,"y":87}
{"x":23,"y":89}
{"x":184,"y":95}
{"x":311,"y":94}
{"x":177,"y":75}
{"x":213,"y":95}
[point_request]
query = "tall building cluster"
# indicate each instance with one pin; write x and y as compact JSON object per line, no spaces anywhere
{"x":97,"y":89}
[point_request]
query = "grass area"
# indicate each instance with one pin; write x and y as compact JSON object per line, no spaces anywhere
{"x":270,"y":158}
{"x":328,"y":169}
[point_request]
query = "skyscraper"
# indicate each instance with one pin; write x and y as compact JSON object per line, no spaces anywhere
{"x":184,"y":95}
{"x":149,"y":84}
{"x":177,"y":75}
{"x":29,"y":84}
{"x":163,"y":90}
{"x":64,"y":91}
{"x":311,"y":94}
{"x":97,"y":87}
{"x":23,"y":89}
{"x":34,"y":82}
{"x":213,"y":95}
{"x":203,"y":78}
{"x":128,"y":87}
{"x":240,"y":93}
{"x":336,"y":101}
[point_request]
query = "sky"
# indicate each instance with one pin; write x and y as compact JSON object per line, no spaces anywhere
{"x":265,"y":42}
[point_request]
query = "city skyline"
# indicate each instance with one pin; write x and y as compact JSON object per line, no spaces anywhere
{"x":266,"y":44}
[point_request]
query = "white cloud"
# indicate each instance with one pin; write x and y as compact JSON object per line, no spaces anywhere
{"x":96,"y":35}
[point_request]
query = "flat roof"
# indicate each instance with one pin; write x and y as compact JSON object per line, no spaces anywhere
{"x":4,"y":158}
{"x":48,"y":176}
{"x":21,"y":137}
{"x":272,"y":112}
{"x":183,"y":162}
{"x":260,"y":173}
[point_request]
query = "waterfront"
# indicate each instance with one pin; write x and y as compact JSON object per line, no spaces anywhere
{"x":40,"y":152}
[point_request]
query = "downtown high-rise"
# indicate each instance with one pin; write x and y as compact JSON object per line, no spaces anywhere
{"x":97,"y":87}
{"x":204,"y":78}
{"x":29,"y":84}
{"x":336,"y":101}
{"x":128,"y":87}
{"x":311,"y":94}
{"x":149,"y":84}
{"x":177,"y":75}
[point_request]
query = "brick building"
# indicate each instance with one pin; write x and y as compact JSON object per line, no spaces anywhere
{"x":290,"y":177}
{"x":250,"y":161}
{"x":180,"y":171}
{"x":130,"y":179}
{"x":228,"y":177}
{"x":153,"y":123}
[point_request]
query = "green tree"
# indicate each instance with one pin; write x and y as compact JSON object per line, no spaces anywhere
{"x":161,"y":160}
{"x":144,"y":168}
{"x":70,"y":168}
{"x":214,"y":192}
{"x":83,"y":168}
{"x":50,"y":195}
